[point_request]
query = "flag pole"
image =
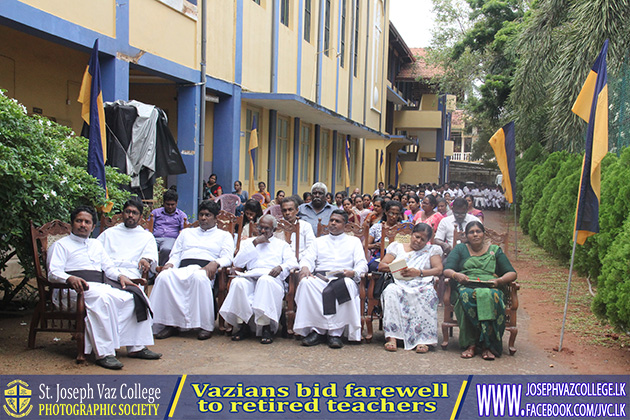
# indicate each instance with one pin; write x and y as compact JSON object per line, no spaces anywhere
{"x":515,"y":234}
{"x":566,"y":300}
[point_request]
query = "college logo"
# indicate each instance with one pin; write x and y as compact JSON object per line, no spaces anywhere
{"x":18,"y":399}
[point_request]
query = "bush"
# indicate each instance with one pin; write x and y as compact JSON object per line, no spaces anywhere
{"x":43,"y":174}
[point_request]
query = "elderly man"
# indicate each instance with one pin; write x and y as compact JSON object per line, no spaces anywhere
{"x":168,"y":221}
{"x":132,"y":249}
{"x":256,"y":295}
{"x":182,"y":295}
{"x":327,"y":297}
{"x":451,"y":228}
{"x":317,"y":209}
{"x":289,"y":208}
{"x":114,"y":317}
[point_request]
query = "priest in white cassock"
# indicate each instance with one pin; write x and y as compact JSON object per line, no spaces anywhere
{"x":289,"y":207}
{"x":327,"y":297}
{"x":182,"y":295}
{"x":114,"y":317}
{"x":132,"y":248}
{"x":256,"y":295}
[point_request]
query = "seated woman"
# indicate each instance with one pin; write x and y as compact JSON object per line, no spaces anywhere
{"x":392,"y":215}
{"x":471,"y":207}
{"x":443,"y":208}
{"x":251,"y":213}
{"x":377,"y":212}
{"x":414,"y":208}
{"x":428,"y":214}
{"x":353,"y":215}
{"x":480,"y":270}
{"x":213,"y":189}
{"x":278,"y":199}
{"x":410,"y":306}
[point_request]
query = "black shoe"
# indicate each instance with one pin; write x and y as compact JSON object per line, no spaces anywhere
{"x":110,"y":362}
{"x":167,"y":332}
{"x":265,"y":336}
{"x":313,"y":339}
{"x":145,"y":354}
{"x":242,"y":333}
{"x":334,"y":342}
{"x":204,"y":334}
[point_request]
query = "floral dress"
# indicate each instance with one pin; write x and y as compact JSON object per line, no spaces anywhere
{"x":410,"y":306}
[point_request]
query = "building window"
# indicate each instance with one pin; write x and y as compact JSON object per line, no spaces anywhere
{"x":282,"y":150}
{"x":284,"y":12}
{"x":307,"y":20}
{"x":327,"y":29}
{"x":257,"y":1}
{"x":324,"y":156}
{"x":305,"y":151}
{"x":356,"y":39}
{"x":342,"y":53}
{"x":251,"y":114}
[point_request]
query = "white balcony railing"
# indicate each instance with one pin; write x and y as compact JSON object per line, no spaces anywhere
{"x":461,"y":156}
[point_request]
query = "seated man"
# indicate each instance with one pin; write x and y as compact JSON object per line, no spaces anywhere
{"x":258,"y":293}
{"x":113,"y":317}
{"x":318,"y":208}
{"x":327,"y":304}
{"x":182,"y":294}
{"x":131,"y":248}
{"x":451,"y":228}
{"x":289,"y":206}
{"x":168,"y":221}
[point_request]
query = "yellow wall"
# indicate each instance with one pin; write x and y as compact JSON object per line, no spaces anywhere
{"x":411,"y":119}
{"x":257,"y":46}
{"x":152,"y":26}
{"x":426,"y":143}
{"x":221,"y":26}
{"x":97,"y":15}
{"x":429,"y":102}
{"x":419,"y":172}
{"x":287,"y":53}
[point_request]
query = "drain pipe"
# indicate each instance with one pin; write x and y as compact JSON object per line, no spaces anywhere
{"x":202,"y":106}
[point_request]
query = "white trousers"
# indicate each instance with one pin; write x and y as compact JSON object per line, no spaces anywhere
{"x":254,"y":298}
{"x":182,"y":297}
{"x":310,"y":310}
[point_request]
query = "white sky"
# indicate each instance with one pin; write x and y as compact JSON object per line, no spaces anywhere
{"x":414,"y":21}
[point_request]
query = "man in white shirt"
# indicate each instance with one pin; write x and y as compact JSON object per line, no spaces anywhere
{"x":132,"y":249}
{"x":454,"y":225}
{"x":256,"y":295}
{"x":330,"y":304}
{"x":113,"y":316}
{"x":289,"y":206}
{"x":182,"y":295}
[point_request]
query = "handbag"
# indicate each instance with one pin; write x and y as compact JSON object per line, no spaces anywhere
{"x":384,"y":280}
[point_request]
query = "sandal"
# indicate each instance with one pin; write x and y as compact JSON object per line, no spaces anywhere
{"x":242,"y":333}
{"x":391,"y":345}
{"x":422,"y":348}
{"x":469,"y":353}
{"x":487,"y":355}
{"x":266,"y":335}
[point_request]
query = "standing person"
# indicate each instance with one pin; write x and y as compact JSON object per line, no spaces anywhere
{"x":168,"y":221}
{"x":450,"y":231}
{"x":213,"y":190}
{"x":256,"y":296}
{"x":410,"y":305}
{"x":318,"y":209}
{"x":262,"y":189}
{"x":112,"y":319}
{"x":182,"y":295}
{"x":252,"y":211}
{"x":328,"y":306}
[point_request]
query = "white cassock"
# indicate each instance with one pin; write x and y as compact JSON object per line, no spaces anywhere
{"x":330,"y":253}
{"x":110,"y":320}
{"x":307,"y":238}
{"x":127,"y":246}
{"x":257,"y":294}
{"x":182,"y":297}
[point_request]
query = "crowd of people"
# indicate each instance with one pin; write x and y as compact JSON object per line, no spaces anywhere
{"x":447,"y":240}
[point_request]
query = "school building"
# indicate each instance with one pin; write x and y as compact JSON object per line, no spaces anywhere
{"x":311,"y":73}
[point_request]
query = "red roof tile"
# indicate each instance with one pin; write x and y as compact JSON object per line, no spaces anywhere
{"x":419,"y":68}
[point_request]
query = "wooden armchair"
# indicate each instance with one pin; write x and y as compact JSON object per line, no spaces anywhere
{"x":107,"y":222}
{"x":400,"y":232}
{"x":49,"y":316}
{"x":288,"y":229}
{"x":510,"y":298}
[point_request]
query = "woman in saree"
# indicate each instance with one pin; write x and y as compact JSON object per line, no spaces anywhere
{"x":410,"y":306}
{"x":428,"y":214}
{"x":480,"y":271}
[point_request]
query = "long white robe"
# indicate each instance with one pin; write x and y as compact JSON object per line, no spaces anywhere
{"x":259,"y":295}
{"x":127,"y":246}
{"x":307,"y":238}
{"x":110,"y":320}
{"x":330,"y":253}
{"x":182,"y":297}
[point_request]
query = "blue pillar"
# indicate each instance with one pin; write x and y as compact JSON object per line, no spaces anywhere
{"x":296,"y":154}
{"x":439,"y":140}
{"x":227,"y":138}
{"x":115,"y":74}
{"x":273,"y":137}
{"x":188,"y":106}
{"x":334,"y":162}
{"x":317,"y":151}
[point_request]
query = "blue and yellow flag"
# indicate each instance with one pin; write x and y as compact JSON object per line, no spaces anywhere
{"x":592,"y":106}
{"x":381,"y":169}
{"x":93,"y":113}
{"x":347,"y":165}
{"x":253,"y":144}
{"x":504,"y":147}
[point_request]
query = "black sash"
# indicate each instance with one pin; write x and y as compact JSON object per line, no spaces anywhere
{"x":141,"y":305}
{"x":335,"y":290}
{"x":192,"y":261}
